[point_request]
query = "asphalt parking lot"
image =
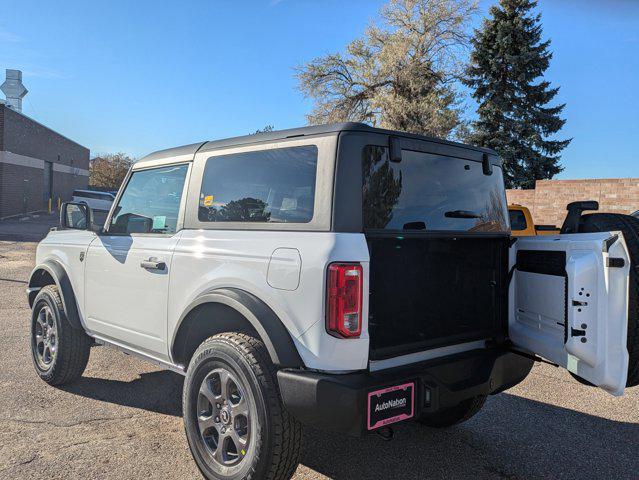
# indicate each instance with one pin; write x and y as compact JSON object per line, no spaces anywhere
{"x":122,"y":420}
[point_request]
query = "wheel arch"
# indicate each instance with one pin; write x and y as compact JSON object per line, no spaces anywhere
{"x":231,"y":309}
{"x":52,"y":272}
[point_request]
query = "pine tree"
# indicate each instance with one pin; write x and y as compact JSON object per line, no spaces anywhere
{"x":506,"y":71}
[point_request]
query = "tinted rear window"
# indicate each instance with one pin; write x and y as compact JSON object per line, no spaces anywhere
{"x":430,"y":192}
{"x":517,"y":220}
{"x":276,"y":185}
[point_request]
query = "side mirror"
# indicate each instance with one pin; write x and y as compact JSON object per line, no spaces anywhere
{"x":77,"y":216}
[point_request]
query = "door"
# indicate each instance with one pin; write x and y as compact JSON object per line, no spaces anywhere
{"x":128,"y":266}
{"x":569,"y":304}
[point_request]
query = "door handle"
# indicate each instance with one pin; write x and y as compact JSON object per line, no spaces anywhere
{"x":152,"y":264}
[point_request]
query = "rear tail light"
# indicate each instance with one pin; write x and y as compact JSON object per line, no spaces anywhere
{"x":344,"y":300}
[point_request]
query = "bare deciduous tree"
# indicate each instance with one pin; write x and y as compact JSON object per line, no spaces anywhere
{"x":108,"y":171}
{"x":267,"y":128}
{"x":401,"y":74}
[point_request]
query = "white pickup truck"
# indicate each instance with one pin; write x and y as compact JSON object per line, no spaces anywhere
{"x":339,"y":276}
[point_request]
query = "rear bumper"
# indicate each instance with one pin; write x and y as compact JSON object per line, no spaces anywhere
{"x":338,"y":402}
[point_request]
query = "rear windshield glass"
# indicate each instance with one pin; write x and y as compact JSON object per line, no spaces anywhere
{"x":431,"y":192}
{"x":517,"y":220}
{"x":276,"y":185}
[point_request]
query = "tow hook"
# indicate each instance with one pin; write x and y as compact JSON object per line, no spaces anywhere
{"x":386,"y":433}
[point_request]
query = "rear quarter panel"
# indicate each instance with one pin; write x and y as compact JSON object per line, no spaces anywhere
{"x":205,"y":260}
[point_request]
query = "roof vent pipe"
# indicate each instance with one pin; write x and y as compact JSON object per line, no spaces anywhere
{"x":14,"y":90}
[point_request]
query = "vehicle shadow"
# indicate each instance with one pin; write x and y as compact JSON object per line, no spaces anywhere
{"x":157,"y":391}
{"x":511,"y":438}
{"x":117,"y":246}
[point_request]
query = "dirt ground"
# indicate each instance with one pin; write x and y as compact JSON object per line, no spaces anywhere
{"x":122,"y":420}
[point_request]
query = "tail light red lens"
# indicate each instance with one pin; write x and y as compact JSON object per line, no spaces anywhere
{"x":344,"y":300}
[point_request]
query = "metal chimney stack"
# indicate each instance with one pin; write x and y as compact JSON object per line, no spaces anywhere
{"x":14,"y":90}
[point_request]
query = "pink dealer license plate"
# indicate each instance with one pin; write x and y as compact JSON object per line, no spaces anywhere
{"x":391,"y":404}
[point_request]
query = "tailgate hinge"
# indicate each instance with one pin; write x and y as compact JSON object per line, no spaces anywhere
{"x":532,"y":356}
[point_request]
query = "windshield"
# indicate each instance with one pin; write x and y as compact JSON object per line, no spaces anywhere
{"x":431,"y":192}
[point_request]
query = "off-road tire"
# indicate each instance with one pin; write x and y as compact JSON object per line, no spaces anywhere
{"x":629,"y":226}
{"x":274,"y":450}
{"x":453,"y":415}
{"x":73,"y":345}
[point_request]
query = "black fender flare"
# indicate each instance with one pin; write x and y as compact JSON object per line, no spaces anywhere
{"x":262,"y":318}
{"x":62,"y":281}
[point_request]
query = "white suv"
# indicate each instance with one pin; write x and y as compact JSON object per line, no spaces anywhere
{"x":94,"y":199}
{"x":339,"y":276}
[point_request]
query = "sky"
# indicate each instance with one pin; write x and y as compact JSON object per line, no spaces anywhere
{"x":136,"y":77}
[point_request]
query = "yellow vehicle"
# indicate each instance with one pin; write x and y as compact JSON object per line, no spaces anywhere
{"x":522,"y":225}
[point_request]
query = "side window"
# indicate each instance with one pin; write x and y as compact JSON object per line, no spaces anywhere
{"x":275,"y":185}
{"x":150,"y":202}
{"x":517,"y":220}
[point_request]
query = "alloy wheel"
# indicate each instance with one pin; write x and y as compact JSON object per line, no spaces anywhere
{"x":224,"y":417}
{"x":46,"y":337}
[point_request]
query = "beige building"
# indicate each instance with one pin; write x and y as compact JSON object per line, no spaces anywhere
{"x":547,"y":201}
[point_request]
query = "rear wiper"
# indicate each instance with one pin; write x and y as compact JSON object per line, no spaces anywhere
{"x":461,"y":214}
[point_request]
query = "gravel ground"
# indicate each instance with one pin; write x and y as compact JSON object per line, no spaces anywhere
{"x":122,"y":420}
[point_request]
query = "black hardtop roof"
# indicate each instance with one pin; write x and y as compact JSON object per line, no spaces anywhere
{"x":321,"y":129}
{"x":297,"y":132}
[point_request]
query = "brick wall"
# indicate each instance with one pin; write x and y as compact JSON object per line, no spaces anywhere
{"x":30,"y":144}
{"x":547,"y":202}
{"x":522,"y":197}
{"x":1,"y":128}
{"x":25,"y":136}
{"x":22,"y":189}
